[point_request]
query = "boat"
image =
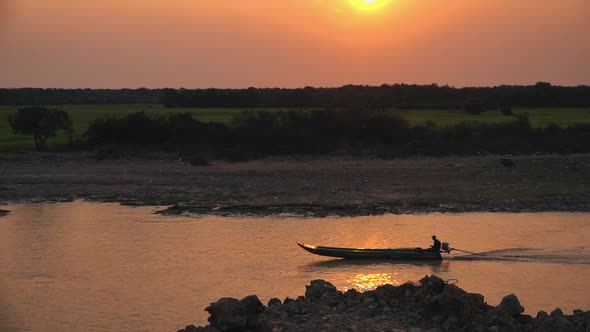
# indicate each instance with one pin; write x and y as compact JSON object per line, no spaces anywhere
{"x":394,"y":254}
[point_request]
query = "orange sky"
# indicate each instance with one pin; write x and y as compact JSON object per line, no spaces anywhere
{"x":291,"y":43}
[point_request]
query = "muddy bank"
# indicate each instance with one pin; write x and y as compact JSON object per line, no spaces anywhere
{"x":431,"y":305}
{"x":573,"y":203}
{"x":310,"y":186}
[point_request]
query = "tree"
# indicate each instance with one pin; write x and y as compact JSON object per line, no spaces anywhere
{"x":473,"y":106}
{"x":41,"y":122}
{"x":505,"y":108}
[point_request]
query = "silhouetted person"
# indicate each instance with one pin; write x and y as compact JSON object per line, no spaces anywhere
{"x":436,"y":245}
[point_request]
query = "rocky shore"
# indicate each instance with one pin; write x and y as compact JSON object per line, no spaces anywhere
{"x":309,"y":186}
{"x":430,"y":305}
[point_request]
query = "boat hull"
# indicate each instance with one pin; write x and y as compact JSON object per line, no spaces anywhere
{"x":393,"y":254}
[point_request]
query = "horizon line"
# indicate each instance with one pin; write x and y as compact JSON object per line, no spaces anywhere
{"x":293,"y":88}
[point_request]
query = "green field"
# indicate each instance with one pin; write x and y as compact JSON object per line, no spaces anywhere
{"x":82,"y":115}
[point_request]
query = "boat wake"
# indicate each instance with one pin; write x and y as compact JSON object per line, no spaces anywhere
{"x":568,"y":256}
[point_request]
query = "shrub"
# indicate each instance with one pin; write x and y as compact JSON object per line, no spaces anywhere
{"x":473,"y":106}
{"x":505,"y":109}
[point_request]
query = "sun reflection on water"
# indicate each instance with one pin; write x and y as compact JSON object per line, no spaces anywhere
{"x":369,"y":281}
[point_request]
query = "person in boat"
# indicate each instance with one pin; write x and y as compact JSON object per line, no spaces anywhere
{"x":436,"y":245}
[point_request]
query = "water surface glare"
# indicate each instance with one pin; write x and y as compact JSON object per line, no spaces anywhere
{"x":106,"y":267}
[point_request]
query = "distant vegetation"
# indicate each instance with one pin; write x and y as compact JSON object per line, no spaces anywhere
{"x":40,"y":123}
{"x":257,"y":134}
{"x":401,"y":96}
{"x":390,"y":120}
{"x":82,"y":115}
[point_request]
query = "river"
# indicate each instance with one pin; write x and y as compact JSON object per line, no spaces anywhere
{"x":105,"y":267}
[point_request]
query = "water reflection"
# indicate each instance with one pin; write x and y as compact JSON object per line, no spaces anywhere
{"x":370,"y":281}
{"x":394,"y":272}
{"x":352,"y":262}
{"x":105,"y":267}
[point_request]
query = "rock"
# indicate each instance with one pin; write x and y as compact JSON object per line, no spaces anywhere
{"x":192,"y":328}
{"x":526,"y":323}
{"x":511,"y":305}
{"x":560,"y":324}
{"x":387,"y":292}
{"x":450,"y":324}
{"x":189,"y":328}
{"x":432,"y":306}
{"x":507,"y":162}
{"x":352,"y":295}
{"x":318,"y":288}
{"x":227,"y":314}
{"x":331,"y":298}
{"x":437,"y":299}
{"x":274,"y":302}
{"x":432,"y":285}
{"x":556,"y":313}
{"x":297,"y":308}
{"x":252,"y":305}
{"x":501,"y":318}
{"x":253,"y":308}
{"x":394,"y":303}
{"x":407,"y":287}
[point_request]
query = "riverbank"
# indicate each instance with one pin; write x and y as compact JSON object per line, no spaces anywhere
{"x":304,"y":186}
{"x":431,"y":305}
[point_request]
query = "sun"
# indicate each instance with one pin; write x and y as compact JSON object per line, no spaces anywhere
{"x":369,"y":5}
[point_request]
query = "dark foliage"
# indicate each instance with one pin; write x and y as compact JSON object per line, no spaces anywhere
{"x":257,"y":134}
{"x":473,"y":106}
{"x":316,"y":131}
{"x":41,"y":123}
{"x":36,"y":96}
{"x":170,"y":132}
{"x":505,"y":108}
{"x":402,"y":96}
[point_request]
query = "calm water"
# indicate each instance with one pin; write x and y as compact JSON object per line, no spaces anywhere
{"x":105,"y":267}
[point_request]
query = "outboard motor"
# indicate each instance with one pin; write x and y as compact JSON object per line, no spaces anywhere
{"x":445,"y":247}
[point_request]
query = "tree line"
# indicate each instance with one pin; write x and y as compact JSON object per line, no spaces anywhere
{"x":263,"y":133}
{"x":258,"y":134}
{"x":403,"y":96}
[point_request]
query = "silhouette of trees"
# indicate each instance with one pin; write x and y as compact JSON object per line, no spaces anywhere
{"x":142,"y":129}
{"x":403,"y":96}
{"x":256,"y":134}
{"x":41,"y":122}
{"x":473,"y":106}
{"x":505,"y":108}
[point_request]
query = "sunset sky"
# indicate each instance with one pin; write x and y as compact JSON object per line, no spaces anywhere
{"x":292,"y":43}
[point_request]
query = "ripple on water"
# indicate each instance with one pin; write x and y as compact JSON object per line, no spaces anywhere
{"x":105,"y":267}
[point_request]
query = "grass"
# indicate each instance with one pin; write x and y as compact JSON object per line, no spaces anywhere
{"x":539,"y":117}
{"x":82,"y":115}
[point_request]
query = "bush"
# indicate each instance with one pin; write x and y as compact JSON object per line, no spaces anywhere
{"x":174,"y":131}
{"x":259,"y":134}
{"x":505,"y":109}
{"x":473,"y":106}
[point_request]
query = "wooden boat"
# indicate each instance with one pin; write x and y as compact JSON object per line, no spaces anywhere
{"x":397,"y":254}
